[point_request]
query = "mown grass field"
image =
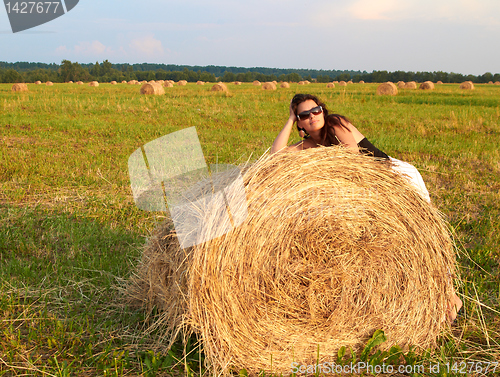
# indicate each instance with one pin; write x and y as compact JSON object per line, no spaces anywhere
{"x":70,"y":233}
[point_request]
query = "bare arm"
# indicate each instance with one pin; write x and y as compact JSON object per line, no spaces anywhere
{"x":281,"y":140}
{"x":349,"y":137}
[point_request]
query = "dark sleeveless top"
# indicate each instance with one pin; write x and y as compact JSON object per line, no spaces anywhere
{"x":368,"y":148}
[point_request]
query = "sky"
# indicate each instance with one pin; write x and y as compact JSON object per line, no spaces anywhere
{"x":460,"y":36}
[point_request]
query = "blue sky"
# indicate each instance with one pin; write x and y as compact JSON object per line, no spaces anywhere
{"x":410,"y":35}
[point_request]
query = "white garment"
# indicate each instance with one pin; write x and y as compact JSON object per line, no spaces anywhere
{"x":411,"y":173}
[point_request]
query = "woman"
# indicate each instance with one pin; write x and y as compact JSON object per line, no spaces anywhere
{"x":317,"y":127}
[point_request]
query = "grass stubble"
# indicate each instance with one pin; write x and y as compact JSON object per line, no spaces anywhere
{"x":71,"y":234}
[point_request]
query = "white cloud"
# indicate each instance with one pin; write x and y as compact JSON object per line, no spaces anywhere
{"x":451,"y":10}
{"x":90,"y":48}
{"x":148,"y":46}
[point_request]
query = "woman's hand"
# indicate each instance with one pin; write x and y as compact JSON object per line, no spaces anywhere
{"x":454,"y":306}
{"x":292,"y":116}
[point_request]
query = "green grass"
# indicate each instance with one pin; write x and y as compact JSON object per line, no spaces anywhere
{"x":70,"y":233}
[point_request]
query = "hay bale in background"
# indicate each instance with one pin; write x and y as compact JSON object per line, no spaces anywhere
{"x":70,"y":82}
{"x":330,"y":85}
{"x":124,"y":82}
{"x":320,"y":262}
{"x":219,"y":87}
{"x":497,"y":82}
{"x":113,"y":82}
{"x":38,"y":82}
{"x":168,"y":84}
{"x":439,"y":83}
{"x":342,"y":83}
{"x":200,"y":83}
{"x":401,"y":84}
{"x":79,"y":83}
{"x":93,"y":83}
{"x":237,"y":83}
{"x":427,"y":85}
{"x":411,"y":85}
{"x":49,"y":83}
{"x":350,"y":82}
{"x":301,"y":83}
{"x":19,"y":87}
{"x":361,"y":82}
{"x":152,"y":88}
{"x":467,"y":85}
{"x":182,"y":82}
{"x":269,"y":86}
{"x":256,"y":83}
{"x":284,"y":84}
{"x":387,"y":89}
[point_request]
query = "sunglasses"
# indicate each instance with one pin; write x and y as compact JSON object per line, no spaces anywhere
{"x":305,"y":114}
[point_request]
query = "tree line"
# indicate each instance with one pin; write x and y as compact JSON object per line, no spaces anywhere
{"x":107,"y":71}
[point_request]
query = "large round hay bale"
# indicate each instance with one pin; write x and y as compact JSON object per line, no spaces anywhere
{"x":401,"y":84}
{"x":269,"y":86}
{"x":467,"y":85}
{"x":93,"y":83}
{"x":152,"y":88}
{"x":427,"y":85}
{"x":342,"y":83}
{"x":256,"y":83}
{"x":219,"y":87}
{"x":334,"y":246}
{"x":411,"y":85}
{"x":330,"y":85}
{"x":38,"y":82}
{"x":387,"y":89}
{"x":19,"y":87}
{"x":182,"y":82}
{"x":284,"y":84}
{"x":49,"y":83}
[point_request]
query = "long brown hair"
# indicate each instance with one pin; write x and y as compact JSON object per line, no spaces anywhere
{"x":331,"y":120}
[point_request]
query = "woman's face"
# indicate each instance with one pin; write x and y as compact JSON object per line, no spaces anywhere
{"x":313,"y":122}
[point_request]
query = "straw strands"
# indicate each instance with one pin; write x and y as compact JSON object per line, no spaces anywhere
{"x":387,"y":89}
{"x":335,"y":246}
{"x":152,"y":88}
{"x":20,"y":87}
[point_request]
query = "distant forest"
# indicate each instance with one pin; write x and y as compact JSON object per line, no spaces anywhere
{"x":107,"y":71}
